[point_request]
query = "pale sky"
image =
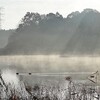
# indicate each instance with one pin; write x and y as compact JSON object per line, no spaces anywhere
{"x":14,"y":10}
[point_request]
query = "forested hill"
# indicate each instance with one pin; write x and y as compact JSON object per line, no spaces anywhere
{"x":4,"y":35}
{"x":78,"y":33}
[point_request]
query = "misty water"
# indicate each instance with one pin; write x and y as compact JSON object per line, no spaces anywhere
{"x":50,"y":64}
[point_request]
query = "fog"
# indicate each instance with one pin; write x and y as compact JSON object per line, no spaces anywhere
{"x":50,"y":63}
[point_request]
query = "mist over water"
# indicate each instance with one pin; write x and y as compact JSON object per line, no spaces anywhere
{"x":50,"y":63}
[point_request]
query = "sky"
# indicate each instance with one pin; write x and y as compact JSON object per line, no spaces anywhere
{"x":14,"y":10}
